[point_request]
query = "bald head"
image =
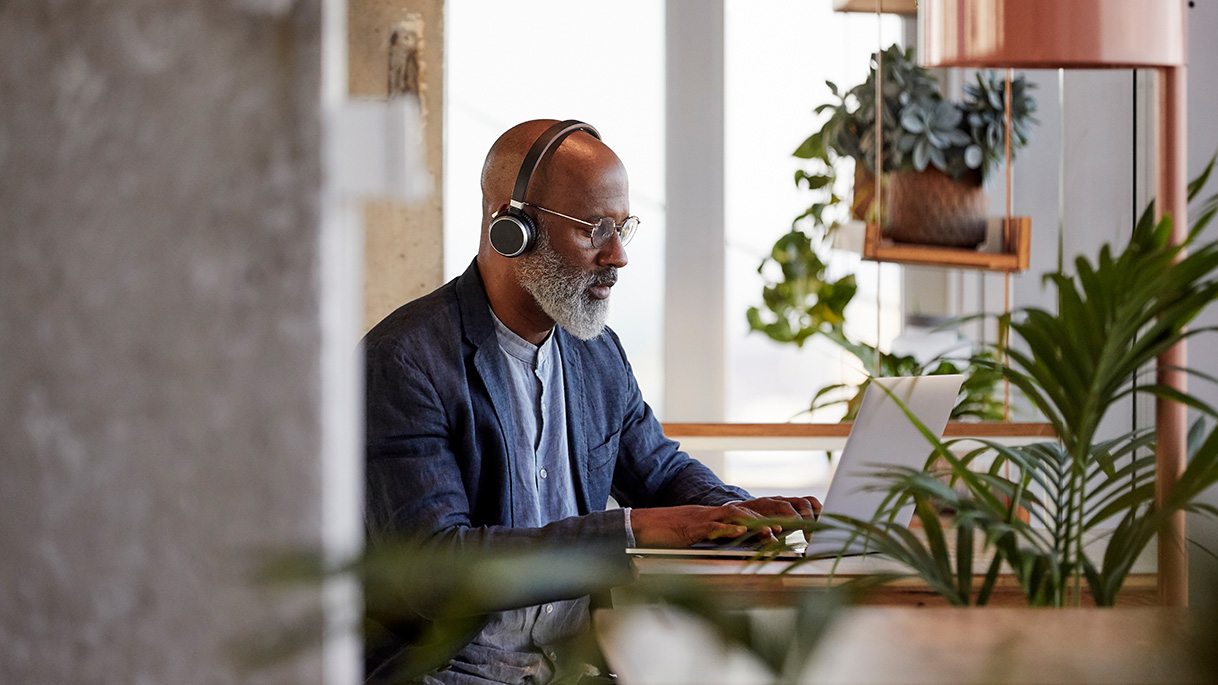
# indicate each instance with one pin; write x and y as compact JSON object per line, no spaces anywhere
{"x":564,"y":278}
{"x":580,"y":164}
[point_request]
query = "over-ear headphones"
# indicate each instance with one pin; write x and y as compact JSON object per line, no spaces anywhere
{"x":512,"y":232}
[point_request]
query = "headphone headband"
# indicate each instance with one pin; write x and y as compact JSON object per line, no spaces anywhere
{"x":512,"y":233}
{"x":550,"y":138}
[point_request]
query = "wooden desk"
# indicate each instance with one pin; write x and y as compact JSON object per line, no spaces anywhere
{"x":765,"y":584}
{"x":878,"y":645}
{"x":832,"y":436}
{"x":663,"y":645}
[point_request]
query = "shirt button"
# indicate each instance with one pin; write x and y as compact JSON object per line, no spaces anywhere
{"x":543,"y":473}
{"x":549,"y":608}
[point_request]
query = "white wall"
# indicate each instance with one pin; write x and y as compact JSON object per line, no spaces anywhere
{"x":1202,"y":144}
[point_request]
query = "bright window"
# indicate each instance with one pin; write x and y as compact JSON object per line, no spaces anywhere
{"x":599,"y":62}
{"x":777,"y":62}
{"x":603,"y":62}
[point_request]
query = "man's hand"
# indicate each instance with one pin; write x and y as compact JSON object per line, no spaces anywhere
{"x":785,"y":507}
{"x":683,"y":526}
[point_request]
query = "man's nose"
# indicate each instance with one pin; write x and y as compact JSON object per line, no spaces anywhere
{"x":612,"y":253}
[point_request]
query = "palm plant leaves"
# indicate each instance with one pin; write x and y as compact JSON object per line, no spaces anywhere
{"x":1074,"y":363}
{"x":1114,"y":316}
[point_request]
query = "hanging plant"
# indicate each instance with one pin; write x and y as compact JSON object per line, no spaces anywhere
{"x":937,"y":152}
{"x":799,"y":297}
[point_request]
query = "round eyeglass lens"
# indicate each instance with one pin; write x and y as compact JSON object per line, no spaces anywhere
{"x":628,"y":228}
{"x":605,"y":228}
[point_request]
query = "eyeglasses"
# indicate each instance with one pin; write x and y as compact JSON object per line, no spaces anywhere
{"x":603,"y":229}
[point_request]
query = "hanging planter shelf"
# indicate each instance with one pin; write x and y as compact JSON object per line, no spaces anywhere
{"x":1010,"y":254}
{"x":906,"y":7}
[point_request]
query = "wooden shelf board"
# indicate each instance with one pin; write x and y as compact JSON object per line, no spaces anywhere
{"x":905,"y":7}
{"x":955,"y":429}
{"x":1016,"y":257}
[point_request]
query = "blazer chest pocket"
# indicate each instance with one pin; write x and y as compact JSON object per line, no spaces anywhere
{"x":605,"y":453}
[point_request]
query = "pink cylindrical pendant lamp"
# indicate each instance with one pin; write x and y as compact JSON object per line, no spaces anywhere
{"x":1051,"y":34}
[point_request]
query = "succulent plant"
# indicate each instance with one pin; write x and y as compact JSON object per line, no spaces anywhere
{"x":919,"y":127}
{"x":932,"y":134}
{"x":985,"y":114}
{"x":850,"y":129}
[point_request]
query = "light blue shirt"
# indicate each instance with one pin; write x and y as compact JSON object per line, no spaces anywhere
{"x":521,"y":645}
{"x":542,"y":488}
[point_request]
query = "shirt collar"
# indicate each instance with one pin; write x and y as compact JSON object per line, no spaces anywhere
{"x":518,"y":347}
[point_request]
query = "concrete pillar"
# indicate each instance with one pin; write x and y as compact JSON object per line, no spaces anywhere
{"x":161,"y":335}
{"x":403,"y":241}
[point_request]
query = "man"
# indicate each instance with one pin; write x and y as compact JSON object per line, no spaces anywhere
{"x":502,"y":412}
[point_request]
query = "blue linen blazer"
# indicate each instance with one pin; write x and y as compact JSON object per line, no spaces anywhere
{"x":439,"y":464}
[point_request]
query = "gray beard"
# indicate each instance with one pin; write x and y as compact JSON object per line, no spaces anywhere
{"x":563,"y":292}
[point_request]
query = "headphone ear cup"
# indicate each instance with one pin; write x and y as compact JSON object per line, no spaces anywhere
{"x":512,"y":234}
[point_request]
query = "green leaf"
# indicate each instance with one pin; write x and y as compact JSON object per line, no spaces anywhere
{"x":1195,"y":185}
{"x":813,"y":147}
{"x":813,"y":181}
{"x":964,"y":559}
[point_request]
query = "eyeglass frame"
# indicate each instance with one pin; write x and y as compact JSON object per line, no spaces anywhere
{"x":617,"y":228}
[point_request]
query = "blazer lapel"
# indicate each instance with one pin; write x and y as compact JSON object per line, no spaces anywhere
{"x":488,"y":361}
{"x":577,"y":416}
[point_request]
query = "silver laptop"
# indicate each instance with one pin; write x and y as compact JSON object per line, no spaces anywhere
{"x":882,"y":435}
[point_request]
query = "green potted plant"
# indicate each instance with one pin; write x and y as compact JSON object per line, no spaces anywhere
{"x":923,"y":135}
{"x":1114,"y":316}
{"x":803,"y":301}
{"x":937,"y":153}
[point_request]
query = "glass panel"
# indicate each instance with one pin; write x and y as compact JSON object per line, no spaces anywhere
{"x":775,"y":76}
{"x":567,"y":74}
{"x":777,"y":62}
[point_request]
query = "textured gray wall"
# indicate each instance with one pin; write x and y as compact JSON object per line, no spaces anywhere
{"x":403,"y":241}
{"x":159,"y":331}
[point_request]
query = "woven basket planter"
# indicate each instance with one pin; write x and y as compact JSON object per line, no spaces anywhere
{"x":930,"y":208}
